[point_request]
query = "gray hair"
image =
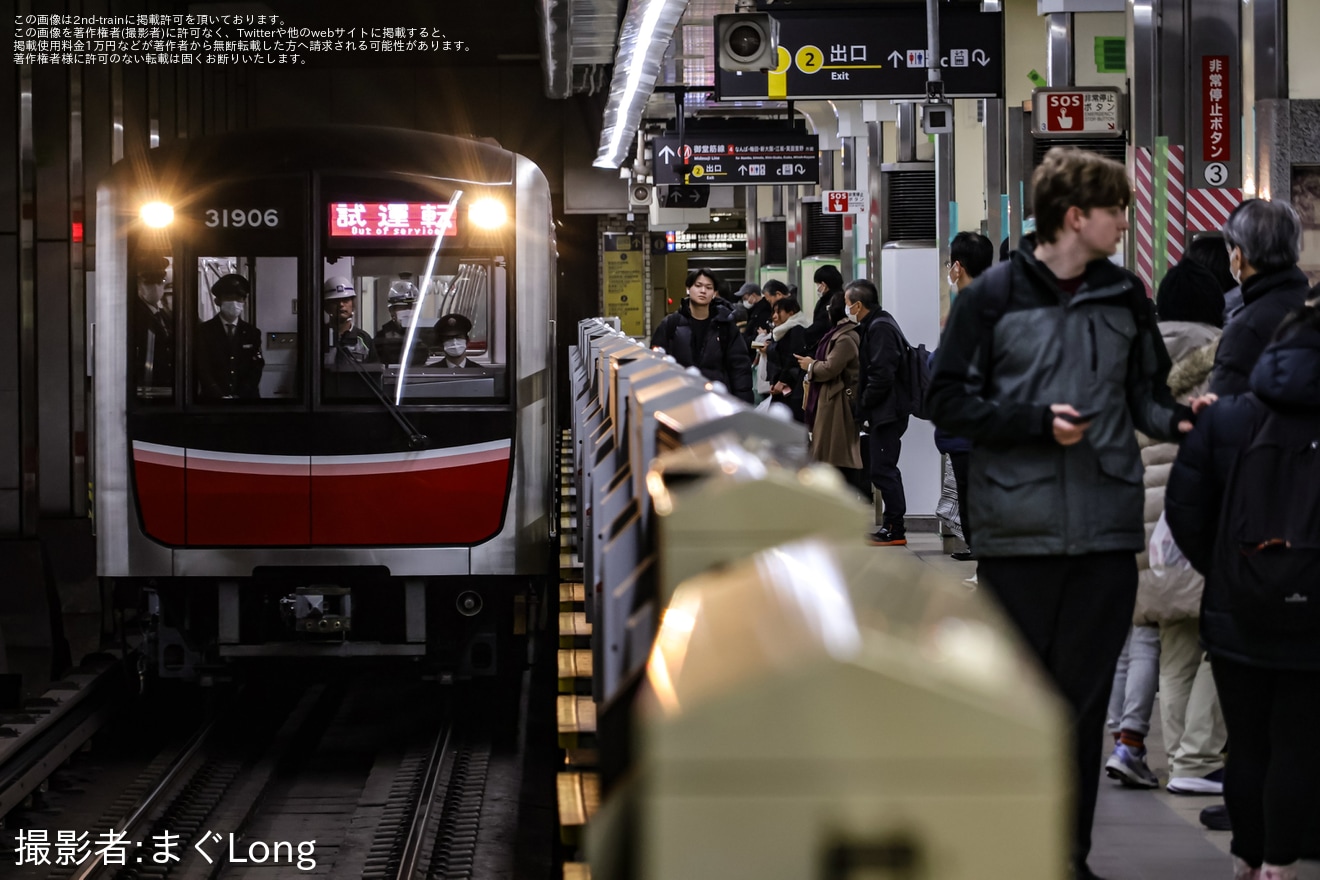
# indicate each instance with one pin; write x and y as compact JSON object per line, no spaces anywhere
{"x":864,"y":292}
{"x":1269,"y":234}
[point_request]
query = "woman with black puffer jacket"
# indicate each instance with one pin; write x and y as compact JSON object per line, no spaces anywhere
{"x":1261,"y":629}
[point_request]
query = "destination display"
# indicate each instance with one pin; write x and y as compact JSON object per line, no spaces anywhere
{"x":391,"y":219}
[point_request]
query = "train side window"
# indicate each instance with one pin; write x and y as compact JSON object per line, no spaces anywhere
{"x":439,"y":336}
{"x":152,"y":329}
{"x":245,"y":346}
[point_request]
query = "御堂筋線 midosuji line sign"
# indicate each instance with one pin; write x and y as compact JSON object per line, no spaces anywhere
{"x":734,"y":158}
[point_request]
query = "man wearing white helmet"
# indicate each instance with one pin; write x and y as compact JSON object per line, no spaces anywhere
{"x":349,"y":341}
{"x":392,"y":335}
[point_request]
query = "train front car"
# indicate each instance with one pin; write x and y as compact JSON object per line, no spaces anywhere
{"x":323,"y":397}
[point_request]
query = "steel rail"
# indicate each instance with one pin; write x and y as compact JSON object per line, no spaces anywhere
{"x":412,"y":848}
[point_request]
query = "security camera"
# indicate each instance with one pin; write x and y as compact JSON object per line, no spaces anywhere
{"x":937,"y":118}
{"x":747,"y":41}
{"x":640,"y":195}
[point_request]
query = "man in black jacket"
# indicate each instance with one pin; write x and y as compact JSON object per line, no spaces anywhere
{"x":882,"y":405}
{"x":1264,"y":244}
{"x":1048,"y":364}
{"x":702,"y":334}
{"x":829,"y":281}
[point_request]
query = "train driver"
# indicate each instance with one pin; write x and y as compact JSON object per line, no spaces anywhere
{"x":348,"y":341}
{"x":152,"y":328}
{"x":229,"y":360}
{"x":451,"y":334}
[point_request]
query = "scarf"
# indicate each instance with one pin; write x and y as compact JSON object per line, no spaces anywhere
{"x":801,"y":319}
{"x":813,"y":392}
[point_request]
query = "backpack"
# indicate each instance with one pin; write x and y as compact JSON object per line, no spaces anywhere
{"x":913,"y":372}
{"x":1267,"y":548}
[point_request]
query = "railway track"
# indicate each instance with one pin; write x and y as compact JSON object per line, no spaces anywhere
{"x":377,"y":779}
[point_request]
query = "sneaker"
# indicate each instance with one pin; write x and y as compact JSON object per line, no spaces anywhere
{"x":1128,"y":766}
{"x":964,"y":556}
{"x":1216,"y":818}
{"x":887,"y":536}
{"x":1211,"y":783}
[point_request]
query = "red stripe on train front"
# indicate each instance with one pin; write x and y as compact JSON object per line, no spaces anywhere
{"x":259,"y":508}
{"x":450,"y":505}
{"x":444,"y":496}
{"x":160,"y":491}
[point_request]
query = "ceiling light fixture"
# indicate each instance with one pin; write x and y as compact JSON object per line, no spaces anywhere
{"x":644,"y":38}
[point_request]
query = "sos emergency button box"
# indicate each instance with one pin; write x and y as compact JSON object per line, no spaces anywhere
{"x":1085,"y":111}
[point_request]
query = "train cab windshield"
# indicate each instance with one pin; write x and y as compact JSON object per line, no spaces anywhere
{"x":391,"y":312}
{"x":418,"y":337}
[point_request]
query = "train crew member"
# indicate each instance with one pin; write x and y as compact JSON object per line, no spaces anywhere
{"x":702,"y":334}
{"x":451,"y":334}
{"x":1048,"y":363}
{"x":152,"y":328}
{"x":229,"y":360}
{"x":392,"y":335}
{"x":339,"y":300}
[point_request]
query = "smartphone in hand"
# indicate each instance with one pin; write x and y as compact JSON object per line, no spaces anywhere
{"x":1084,"y":416}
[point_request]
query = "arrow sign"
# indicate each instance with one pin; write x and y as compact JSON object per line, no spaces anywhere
{"x":667,"y":154}
{"x":740,"y":157}
{"x":862,"y":67}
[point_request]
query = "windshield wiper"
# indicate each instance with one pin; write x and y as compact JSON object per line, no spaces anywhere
{"x":416,"y":439}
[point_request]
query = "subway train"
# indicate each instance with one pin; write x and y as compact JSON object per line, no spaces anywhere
{"x":323,"y":392}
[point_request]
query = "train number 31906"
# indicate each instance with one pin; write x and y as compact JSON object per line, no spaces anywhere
{"x":238,"y":218}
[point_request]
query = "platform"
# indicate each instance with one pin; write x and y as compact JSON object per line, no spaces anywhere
{"x":1138,"y":835}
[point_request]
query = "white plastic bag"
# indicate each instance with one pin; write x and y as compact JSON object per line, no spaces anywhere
{"x":1172,"y":591}
{"x":1164,"y":553}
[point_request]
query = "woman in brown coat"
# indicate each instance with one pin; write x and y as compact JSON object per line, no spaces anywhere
{"x":831,"y":376}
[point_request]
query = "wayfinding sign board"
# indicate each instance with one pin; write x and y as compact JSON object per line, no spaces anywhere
{"x":1085,"y":111}
{"x":876,"y":52}
{"x":733,"y":158}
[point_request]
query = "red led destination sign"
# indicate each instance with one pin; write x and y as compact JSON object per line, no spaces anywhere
{"x":389,"y":220}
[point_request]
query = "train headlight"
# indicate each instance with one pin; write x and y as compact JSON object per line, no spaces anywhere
{"x":488,"y":214}
{"x":157,"y":215}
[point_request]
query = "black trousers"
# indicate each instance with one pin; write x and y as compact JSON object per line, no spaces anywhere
{"x":1074,"y":613}
{"x":960,"y":462}
{"x":886,"y":443}
{"x":1272,"y":776}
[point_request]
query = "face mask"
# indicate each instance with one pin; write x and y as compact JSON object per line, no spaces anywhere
{"x":403,"y":316}
{"x":151,"y":293}
{"x":455,"y":347}
{"x":852,"y":317}
{"x":231,"y":310}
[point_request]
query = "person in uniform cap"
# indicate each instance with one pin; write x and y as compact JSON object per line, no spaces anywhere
{"x":392,"y":335}
{"x":339,"y":299}
{"x":152,"y":327}
{"x":451,"y":334}
{"x":229,"y":360}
